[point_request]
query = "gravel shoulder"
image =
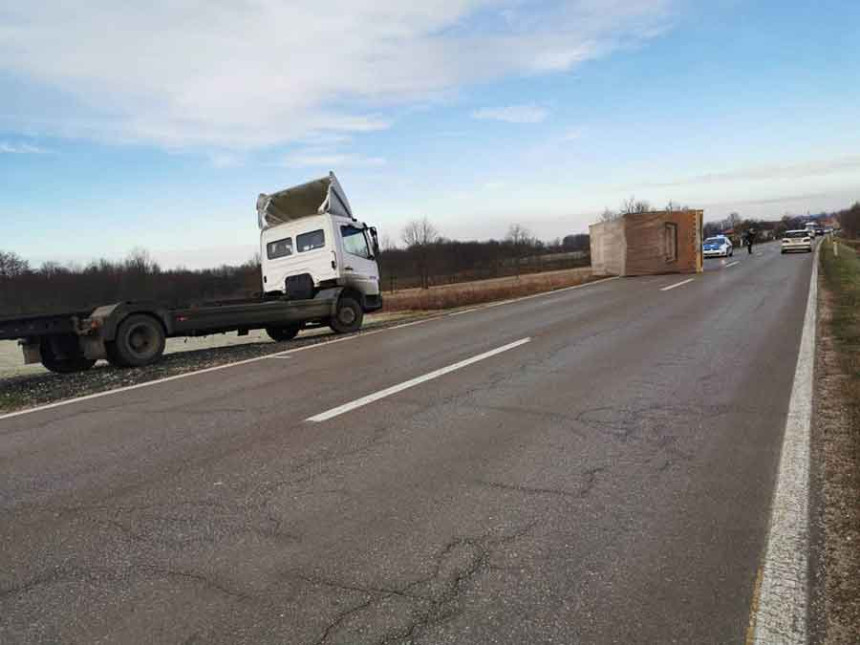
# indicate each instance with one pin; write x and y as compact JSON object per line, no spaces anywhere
{"x":26,"y":386}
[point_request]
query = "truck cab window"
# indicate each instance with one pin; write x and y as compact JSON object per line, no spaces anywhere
{"x":310,"y":241}
{"x":279,"y":248}
{"x":354,"y":241}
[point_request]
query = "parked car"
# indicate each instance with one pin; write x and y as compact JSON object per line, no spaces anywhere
{"x":800,"y":240}
{"x":718,"y":246}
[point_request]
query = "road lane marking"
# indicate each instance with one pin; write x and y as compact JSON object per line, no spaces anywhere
{"x":381,"y":394}
{"x":731,"y":264}
{"x":176,"y":377}
{"x":415,"y":322}
{"x":780,"y":611}
{"x":677,"y":284}
{"x":363,"y":334}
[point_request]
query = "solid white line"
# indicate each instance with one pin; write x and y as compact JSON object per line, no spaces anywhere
{"x":781,"y":612}
{"x":731,"y":264}
{"x":415,"y":322}
{"x":370,"y":398}
{"x":137,"y":386}
{"x":677,"y":284}
{"x":462,"y":311}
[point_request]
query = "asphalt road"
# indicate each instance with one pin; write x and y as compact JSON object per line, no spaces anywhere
{"x":606,"y":481}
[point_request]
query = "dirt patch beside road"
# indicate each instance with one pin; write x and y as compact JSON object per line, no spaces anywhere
{"x":836,"y":433}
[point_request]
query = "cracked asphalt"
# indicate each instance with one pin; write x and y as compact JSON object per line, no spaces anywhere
{"x":608,"y":482}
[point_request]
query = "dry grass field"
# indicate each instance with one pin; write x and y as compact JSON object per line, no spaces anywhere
{"x":471,"y":293}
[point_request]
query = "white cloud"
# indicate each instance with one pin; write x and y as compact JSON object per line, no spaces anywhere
{"x":513,"y":113}
{"x":223,"y":159}
{"x":846,"y":164}
{"x":332,"y":160}
{"x":20,"y":149}
{"x":243,"y":75}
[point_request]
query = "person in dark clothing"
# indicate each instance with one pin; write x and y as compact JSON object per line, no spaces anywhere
{"x":749,"y":237}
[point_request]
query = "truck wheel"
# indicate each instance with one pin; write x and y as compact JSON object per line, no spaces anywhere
{"x":76,"y":362}
{"x":139,"y":341}
{"x":348,"y":317}
{"x":283,"y":333}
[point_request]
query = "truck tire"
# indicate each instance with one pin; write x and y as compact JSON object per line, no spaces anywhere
{"x":283,"y":333}
{"x":139,"y":341}
{"x":348,"y":317}
{"x":76,"y":362}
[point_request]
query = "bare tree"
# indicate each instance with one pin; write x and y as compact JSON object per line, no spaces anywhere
{"x":419,"y":235}
{"x":386,"y":243}
{"x":50,"y":268}
{"x":608,"y":215}
{"x":419,"y":232}
{"x":140,"y":260}
{"x":518,"y":235}
{"x":12,"y":265}
{"x":734,"y":220}
{"x":521,"y":238}
{"x":633,"y":205}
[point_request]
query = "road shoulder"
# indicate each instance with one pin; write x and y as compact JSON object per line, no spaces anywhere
{"x":836,"y":449}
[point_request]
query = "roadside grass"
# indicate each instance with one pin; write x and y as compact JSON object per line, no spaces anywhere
{"x":11,"y":401}
{"x":842,"y":278}
{"x":473,"y":293}
{"x":837,"y":439}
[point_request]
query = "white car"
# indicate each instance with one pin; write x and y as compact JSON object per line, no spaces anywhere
{"x":718,"y":246}
{"x":800,"y":240}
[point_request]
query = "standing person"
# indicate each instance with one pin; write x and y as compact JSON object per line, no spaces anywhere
{"x":749,"y":236}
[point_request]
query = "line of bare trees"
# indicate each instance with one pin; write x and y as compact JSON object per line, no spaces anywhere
{"x":54,"y":287}
{"x":427,"y":258}
{"x":849,"y":220}
{"x":633,"y":205}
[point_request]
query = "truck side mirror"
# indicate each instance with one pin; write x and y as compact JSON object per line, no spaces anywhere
{"x":375,"y":239}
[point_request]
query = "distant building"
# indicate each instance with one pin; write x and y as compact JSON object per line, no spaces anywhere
{"x":648,"y":243}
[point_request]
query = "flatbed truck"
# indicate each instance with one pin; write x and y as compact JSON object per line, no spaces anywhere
{"x":319,"y":267}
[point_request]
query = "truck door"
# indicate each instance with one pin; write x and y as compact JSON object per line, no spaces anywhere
{"x":359,"y":264}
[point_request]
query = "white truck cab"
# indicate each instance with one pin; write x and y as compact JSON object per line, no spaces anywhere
{"x":310,"y":241}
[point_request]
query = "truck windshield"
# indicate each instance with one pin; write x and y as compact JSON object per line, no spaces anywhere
{"x":354,"y":241}
{"x":279,"y":248}
{"x":310,"y":241}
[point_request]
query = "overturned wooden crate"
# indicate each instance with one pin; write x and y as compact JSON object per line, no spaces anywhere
{"x":648,"y":244}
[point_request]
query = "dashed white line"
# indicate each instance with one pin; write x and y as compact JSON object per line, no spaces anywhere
{"x":677,"y":284}
{"x":394,"y":389}
{"x":780,"y":613}
{"x":137,"y":386}
{"x":731,"y":264}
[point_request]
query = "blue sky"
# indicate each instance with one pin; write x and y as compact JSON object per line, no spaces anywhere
{"x":157,"y":126}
